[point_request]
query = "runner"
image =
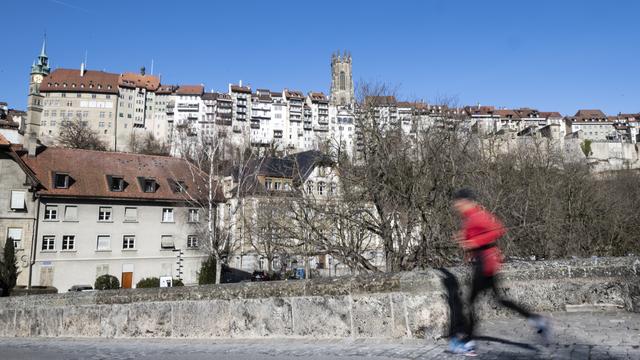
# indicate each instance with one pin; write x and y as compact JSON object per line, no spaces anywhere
{"x":478,"y":237}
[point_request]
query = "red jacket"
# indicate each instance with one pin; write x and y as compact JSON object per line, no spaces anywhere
{"x":480,"y":227}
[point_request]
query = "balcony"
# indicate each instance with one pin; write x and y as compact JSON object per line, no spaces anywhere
{"x":307,"y":126}
{"x":277,"y":134}
{"x":223,"y":122}
{"x":321,"y":128}
{"x":255,"y":125}
{"x":237,"y":129}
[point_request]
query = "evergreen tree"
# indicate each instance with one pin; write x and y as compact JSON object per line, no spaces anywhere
{"x":8,"y":267}
{"x":207,"y":274}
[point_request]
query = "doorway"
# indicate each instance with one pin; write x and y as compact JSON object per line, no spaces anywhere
{"x":127,"y":276}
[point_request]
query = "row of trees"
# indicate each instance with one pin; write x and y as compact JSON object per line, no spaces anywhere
{"x":77,"y":134}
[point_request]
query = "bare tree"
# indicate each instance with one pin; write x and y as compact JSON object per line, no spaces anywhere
{"x":147,"y":144}
{"x":76,"y":134}
{"x":218,"y":167}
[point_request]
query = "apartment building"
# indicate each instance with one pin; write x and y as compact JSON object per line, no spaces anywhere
{"x":127,"y":215}
{"x":18,"y":207}
{"x":592,"y":124}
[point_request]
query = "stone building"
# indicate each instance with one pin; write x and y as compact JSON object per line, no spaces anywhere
{"x":18,"y":206}
{"x":342,"y":90}
{"x":132,"y":216}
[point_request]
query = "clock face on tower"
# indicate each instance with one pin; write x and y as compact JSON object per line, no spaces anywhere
{"x":37,"y":78}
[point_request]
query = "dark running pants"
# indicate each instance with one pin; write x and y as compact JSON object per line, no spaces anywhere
{"x":479,"y":284}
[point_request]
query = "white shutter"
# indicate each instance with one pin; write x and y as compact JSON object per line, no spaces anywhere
{"x":15,"y":233}
{"x":131,"y":214}
{"x":104,"y":242}
{"x":71,"y":213}
{"x":17,"y":200}
{"x":167,"y":242}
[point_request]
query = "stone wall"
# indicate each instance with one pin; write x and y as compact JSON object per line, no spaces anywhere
{"x":403,"y":305}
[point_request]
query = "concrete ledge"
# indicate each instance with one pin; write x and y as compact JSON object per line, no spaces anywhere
{"x":403,"y":305}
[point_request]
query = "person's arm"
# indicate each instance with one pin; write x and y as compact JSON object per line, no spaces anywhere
{"x":491,"y":229}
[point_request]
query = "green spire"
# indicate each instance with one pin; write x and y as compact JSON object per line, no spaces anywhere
{"x":43,"y":52}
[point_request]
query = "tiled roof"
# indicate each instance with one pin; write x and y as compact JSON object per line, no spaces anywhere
{"x":590,"y":114}
{"x":293,"y":94}
{"x":132,"y":80}
{"x":318,"y":97}
{"x":90,"y":179}
{"x":166,"y":89}
{"x":4,"y":141}
{"x":215,"y":96}
{"x":70,"y":80}
{"x":240,"y":89}
{"x":381,"y":100}
{"x":190,"y":90}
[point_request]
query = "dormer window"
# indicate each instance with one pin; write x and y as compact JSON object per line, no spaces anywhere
{"x":149,"y":185}
{"x":116,"y":183}
{"x":61,"y":181}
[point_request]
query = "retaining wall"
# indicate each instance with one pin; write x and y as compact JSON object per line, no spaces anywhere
{"x":403,"y":305}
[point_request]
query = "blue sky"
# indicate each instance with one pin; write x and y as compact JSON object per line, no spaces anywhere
{"x":551,"y":55}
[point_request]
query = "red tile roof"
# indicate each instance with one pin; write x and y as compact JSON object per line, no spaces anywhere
{"x":70,"y":80}
{"x":132,"y":80}
{"x":240,"y":89}
{"x":89,"y":169}
{"x":4,"y":141}
{"x":190,"y":90}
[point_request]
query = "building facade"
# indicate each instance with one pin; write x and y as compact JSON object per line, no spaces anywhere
{"x":131,"y":216}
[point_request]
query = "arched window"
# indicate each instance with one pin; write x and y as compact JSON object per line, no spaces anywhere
{"x":342,"y":81}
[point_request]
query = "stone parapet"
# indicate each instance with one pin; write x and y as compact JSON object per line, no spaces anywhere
{"x":401,"y":305}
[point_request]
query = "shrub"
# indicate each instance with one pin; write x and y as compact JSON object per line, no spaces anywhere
{"x":154,"y":282}
{"x":107,"y":282}
{"x":151,"y":282}
{"x":207,"y":274}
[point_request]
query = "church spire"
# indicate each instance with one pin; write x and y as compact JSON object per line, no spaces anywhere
{"x":43,"y":52}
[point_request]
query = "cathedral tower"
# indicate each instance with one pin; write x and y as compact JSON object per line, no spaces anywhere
{"x":342,"y":93}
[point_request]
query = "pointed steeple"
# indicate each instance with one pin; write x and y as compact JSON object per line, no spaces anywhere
{"x":43,"y":52}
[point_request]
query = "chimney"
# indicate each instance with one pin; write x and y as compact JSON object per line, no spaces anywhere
{"x":81,"y":69}
{"x":240,"y":83}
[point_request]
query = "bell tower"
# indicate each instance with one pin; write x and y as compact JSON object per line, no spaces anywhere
{"x":39,"y":70}
{"x":342,"y":92}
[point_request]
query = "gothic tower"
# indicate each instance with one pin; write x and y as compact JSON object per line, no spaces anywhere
{"x":342,"y":93}
{"x":39,"y":70}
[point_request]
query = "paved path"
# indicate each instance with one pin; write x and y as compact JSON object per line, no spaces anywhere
{"x":577,"y":336}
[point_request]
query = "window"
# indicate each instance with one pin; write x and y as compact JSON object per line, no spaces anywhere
{"x":193,"y":215}
{"x":342,"y":81}
{"x":17,"y":200}
{"x":16,"y":235}
{"x":104,"y":213}
{"x":149,"y":185}
{"x":277,"y":185}
{"x":320,"y":188}
{"x":61,"y":181}
{"x":332,"y":188}
{"x":116,"y":183}
{"x":102,"y":270}
{"x":128,"y":242}
{"x":68,"y":242}
{"x":167,"y":242}
{"x":310,"y":187}
{"x":192,"y":242}
{"x":130,"y":214}
{"x":267,"y":184}
{"x":70,"y":213}
{"x":48,"y":243}
{"x":104,"y":243}
{"x":167,"y":215}
{"x":51,"y":212}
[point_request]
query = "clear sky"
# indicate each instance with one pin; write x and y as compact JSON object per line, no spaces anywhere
{"x":551,"y":55}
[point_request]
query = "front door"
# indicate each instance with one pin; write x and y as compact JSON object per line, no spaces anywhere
{"x":127,"y":278}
